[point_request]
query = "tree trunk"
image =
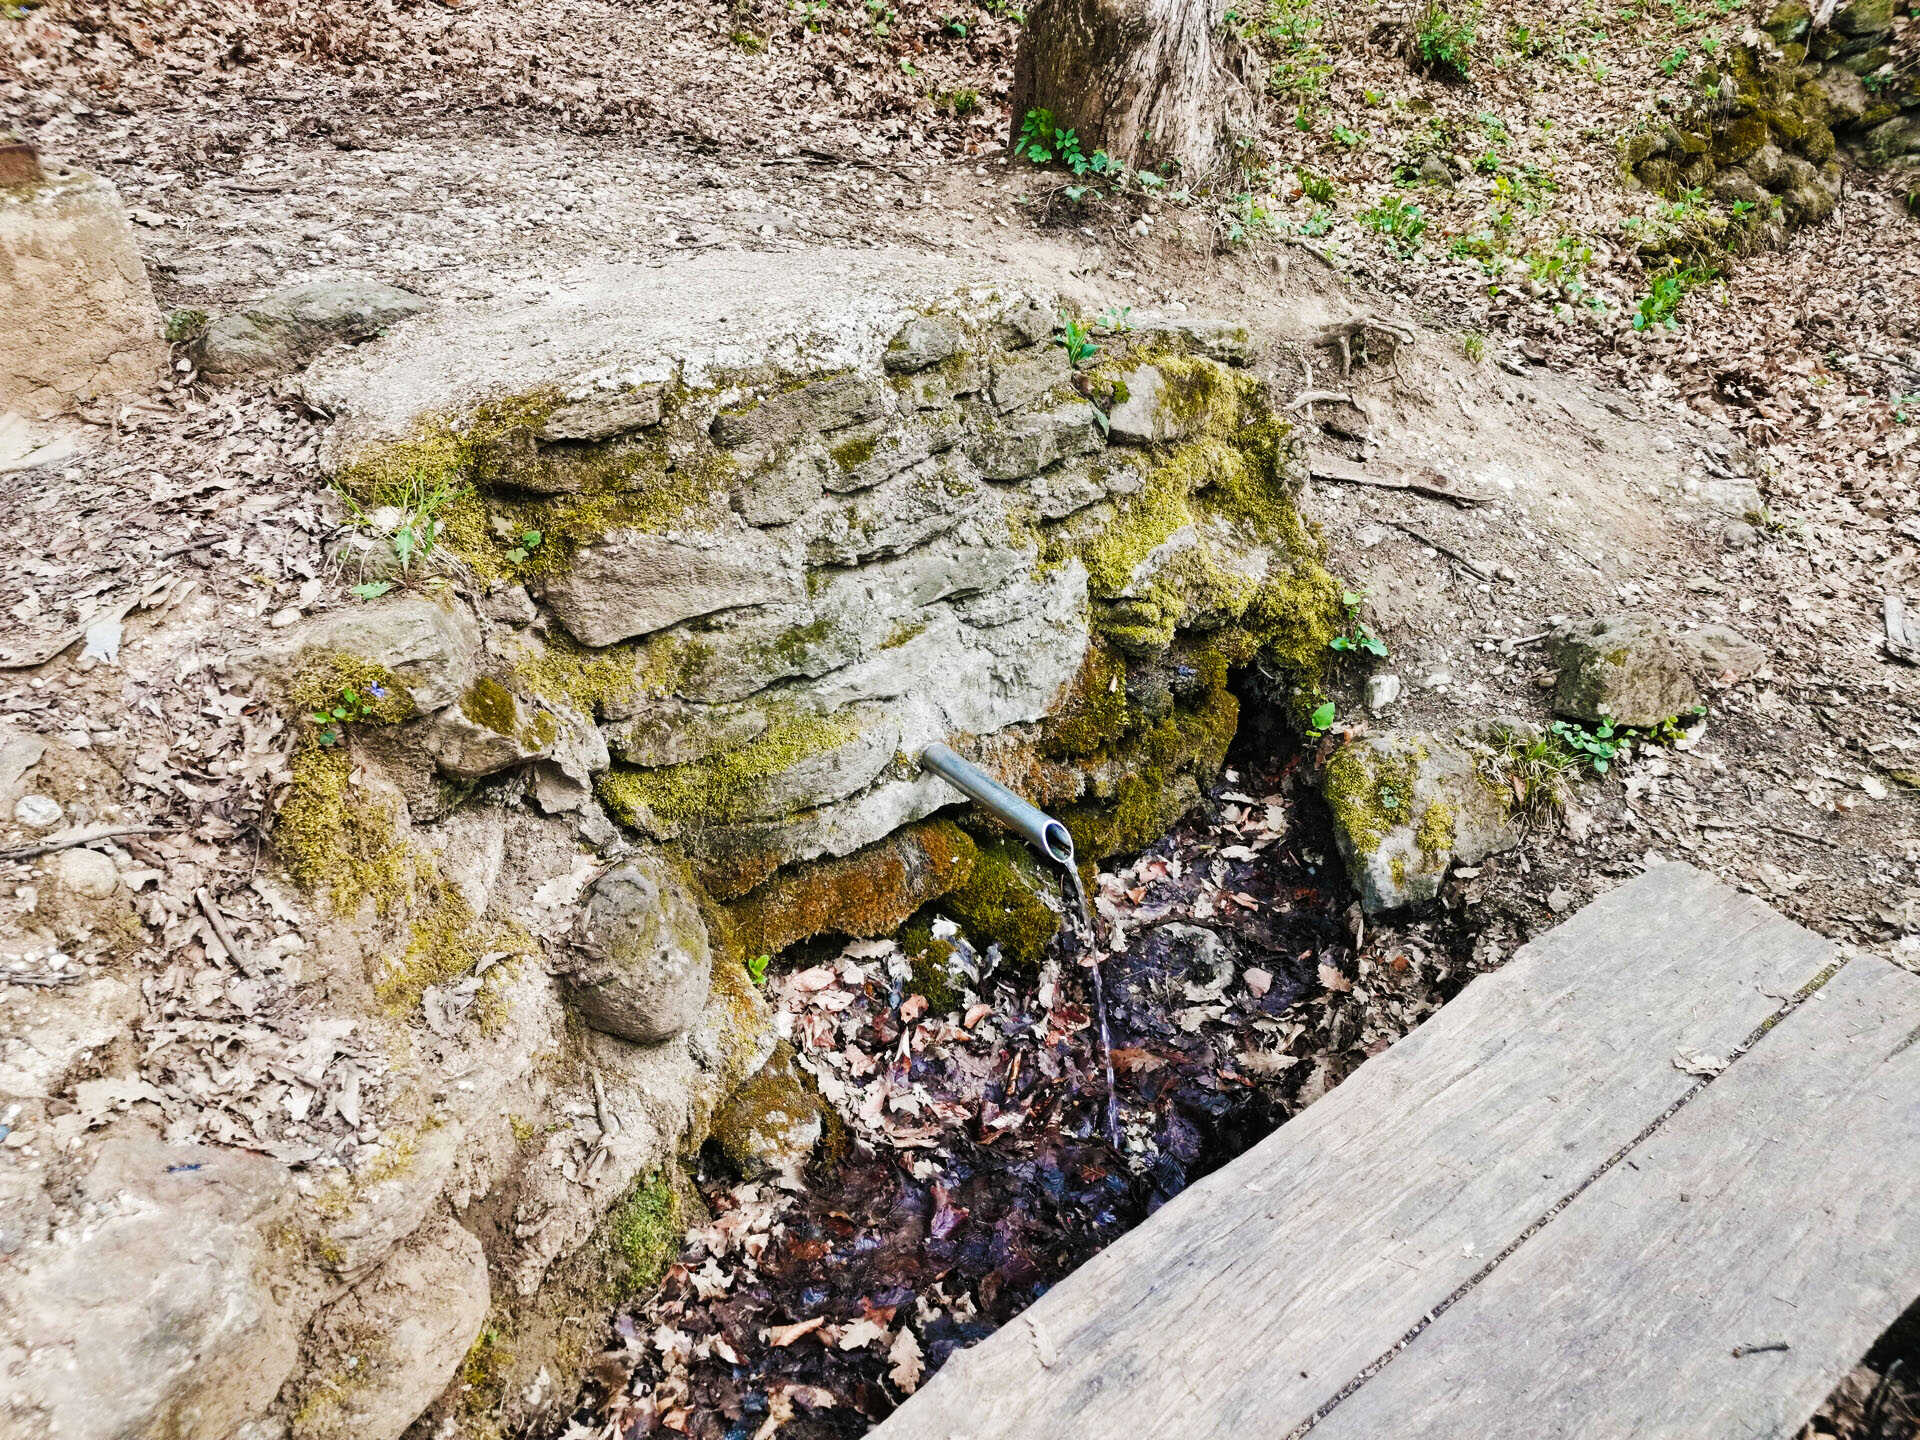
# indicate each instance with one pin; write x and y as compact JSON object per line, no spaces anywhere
{"x":1147,"y":81}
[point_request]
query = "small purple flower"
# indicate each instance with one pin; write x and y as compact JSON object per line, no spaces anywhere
{"x":377,"y":690}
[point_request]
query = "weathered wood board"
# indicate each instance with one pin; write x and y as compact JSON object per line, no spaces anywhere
{"x":1244,"y":1305}
{"x":1781,"y":1205}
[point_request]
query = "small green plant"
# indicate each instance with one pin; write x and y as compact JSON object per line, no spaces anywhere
{"x":1317,"y":223}
{"x":748,"y":41}
{"x":184,"y":325}
{"x":1535,"y":769}
{"x":1474,"y":346}
{"x":350,"y":708}
{"x":1906,"y":408}
{"x":370,"y":590}
{"x":958,"y":103}
{"x":1674,"y":61}
{"x":1661,"y":304}
{"x":955,"y":26}
{"x":1321,"y":720}
{"x":530,"y":541}
{"x":411,"y":522}
{"x":1595,"y":746}
{"x":757,"y":968}
{"x":1399,"y":218}
{"x":1357,"y":638}
{"x":1072,"y":337}
{"x":1352,"y":139}
{"x":1443,"y":42}
{"x":1317,"y":188}
{"x":1115,"y":320}
{"x":1247,"y":218}
{"x":1044,"y":142}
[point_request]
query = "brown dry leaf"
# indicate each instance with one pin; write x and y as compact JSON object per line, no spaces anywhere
{"x":860,"y":1334}
{"x":904,"y":1362}
{"x":781,"y":1336}
{"x":1332,"y":979}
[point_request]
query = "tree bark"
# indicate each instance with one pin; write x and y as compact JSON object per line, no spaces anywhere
{"x":1148,"y":81}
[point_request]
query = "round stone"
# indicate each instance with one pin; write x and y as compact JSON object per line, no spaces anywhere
{"x":36,"y":812}
{"x":641,"y":958}
{"x":87,"y":872}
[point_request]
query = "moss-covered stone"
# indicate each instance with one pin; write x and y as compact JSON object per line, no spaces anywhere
{"x":726,"y":787}
{"x":774,"y":1120}
{"x":869,"y":893}
{"x":1006,"y":901}
{"x":337,"y":841}
{"x":445,"y":943}
{"x":1370,"y":794}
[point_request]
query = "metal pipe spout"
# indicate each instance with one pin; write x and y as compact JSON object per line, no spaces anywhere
{"x":1035,"y":826}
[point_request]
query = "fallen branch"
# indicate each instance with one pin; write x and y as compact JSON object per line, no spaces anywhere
{"x":1331,"y":467}
{"x":81,"y":835}
{"x":44,"y":982}
{"x":1471,"y":567}
{"x":239,"y":957}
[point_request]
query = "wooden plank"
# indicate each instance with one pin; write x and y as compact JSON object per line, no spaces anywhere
{"x":1249,"y":1300}
{"x":1782,"y":1204}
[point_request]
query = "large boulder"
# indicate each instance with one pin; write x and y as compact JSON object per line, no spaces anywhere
{"x":1406,"y":808}
{"x":642,"y":961}
{"x":162,"y":1305}
{"x":1640,"y":670}
{"x":279,"y":333}
{"x":392,"y":1344}
{"x":80,"y":317}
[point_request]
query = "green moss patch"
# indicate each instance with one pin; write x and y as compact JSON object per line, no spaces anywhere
{"x":1002,"y":903}
{"x":726,"y":787}
{"x":337,"y":842}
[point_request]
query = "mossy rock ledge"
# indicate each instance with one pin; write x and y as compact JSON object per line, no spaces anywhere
{"x":797,"y":517}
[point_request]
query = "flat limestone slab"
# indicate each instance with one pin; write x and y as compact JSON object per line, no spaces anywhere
{"x":1780,"y":1206}
{"x":75,"y":304}
{"x":1249,"y":1302}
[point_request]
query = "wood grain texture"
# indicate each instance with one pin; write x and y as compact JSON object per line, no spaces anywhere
{"x":1246,"y":1302}
{"x":1782,"y":1204}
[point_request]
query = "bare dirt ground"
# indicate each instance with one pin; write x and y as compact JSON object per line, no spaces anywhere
{"x":1758,"y":465}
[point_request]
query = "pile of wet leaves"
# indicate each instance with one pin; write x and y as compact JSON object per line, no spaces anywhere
{"x":981,"y":1155}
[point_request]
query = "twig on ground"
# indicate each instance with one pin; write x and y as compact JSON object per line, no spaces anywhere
{"x":41,"y":981}
{"x":1331,"y":467}
{"x":1472,"y":567}
{"x":82,"y":835}
{"x":239,"y":956}
{"x":1770,"y":1346}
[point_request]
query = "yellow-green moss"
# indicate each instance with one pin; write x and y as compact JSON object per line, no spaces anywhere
{"x":1433,"y":836}
{"x":724,"y":787}
{"x":1371,"y":795}
{"x":490,"y":705}
{"x":486,"y":474}
{"x":338,"y":843}
{"x":934,"y":976}
{"x":1094,"y":713}
{"x":645,"y":1230}
{"x":323,"y":682}
{"x":865,"y":894}
{"x":591,"y":681}
{"x":445,"y":941}
{"x":756,"y":1119}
